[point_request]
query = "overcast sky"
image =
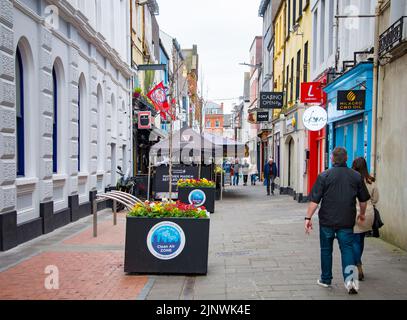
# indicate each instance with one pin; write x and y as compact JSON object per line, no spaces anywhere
{"x":223,"y":31}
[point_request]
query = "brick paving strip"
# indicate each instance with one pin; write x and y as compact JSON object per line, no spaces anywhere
{"x":258,"y":250}
{"x":89,"y":268}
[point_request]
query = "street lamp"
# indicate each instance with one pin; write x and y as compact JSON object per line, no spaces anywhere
{"x":259,"y":68}
{"x":256,"y":66}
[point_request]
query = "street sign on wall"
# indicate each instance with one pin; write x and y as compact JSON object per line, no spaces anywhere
{"x":271,"y":100}
{"x":144,"y":120}
{"x":351,"y":100}
{"x":262,"y":116}
{"x":311,"y":92}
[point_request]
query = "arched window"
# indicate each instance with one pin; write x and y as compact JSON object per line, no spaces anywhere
{"x":114,"y":117}
{"x":82,"y":128}
{"x":79,"y":129}
{"x":20,"y":114}
{"x":55,"y":123}
{"x":100,"y":128}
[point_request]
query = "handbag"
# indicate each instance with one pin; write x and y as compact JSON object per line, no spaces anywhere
{"x":377,"y":223}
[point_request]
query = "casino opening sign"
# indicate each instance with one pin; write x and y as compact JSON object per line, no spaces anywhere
{"x":351,"y":100}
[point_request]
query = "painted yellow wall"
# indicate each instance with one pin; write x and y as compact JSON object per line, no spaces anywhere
{"x":294,"y":42}
{"x":279,"y":44}
{"x":138,"y":39}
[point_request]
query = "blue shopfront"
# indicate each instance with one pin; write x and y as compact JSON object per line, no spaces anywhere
{"x":351,"y":128}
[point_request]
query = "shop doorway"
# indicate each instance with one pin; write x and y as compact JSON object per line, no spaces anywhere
{"x":291,"y":164}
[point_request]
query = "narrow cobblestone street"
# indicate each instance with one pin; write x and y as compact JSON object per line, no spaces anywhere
{"x":258,"y":250}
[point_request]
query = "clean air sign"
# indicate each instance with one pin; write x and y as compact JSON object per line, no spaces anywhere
{"x":166,"y":240}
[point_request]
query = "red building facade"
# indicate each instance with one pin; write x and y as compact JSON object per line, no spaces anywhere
{"x":317,"y":144}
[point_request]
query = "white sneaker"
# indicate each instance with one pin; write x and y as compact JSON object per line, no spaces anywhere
{"x":355,"y":285}
{"x":324,"y":285}
{"x":351,"y":287}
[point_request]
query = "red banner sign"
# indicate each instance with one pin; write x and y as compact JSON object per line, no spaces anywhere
{"x":158,"y":96}
{"x":311,"y":92}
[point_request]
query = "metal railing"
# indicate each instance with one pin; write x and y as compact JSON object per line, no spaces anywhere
{"x":391,"y":37}
{"x":126,"y":199}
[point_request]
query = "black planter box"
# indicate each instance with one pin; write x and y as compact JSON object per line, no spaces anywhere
{"x":208,"y":203}
{"x":188,"y":238}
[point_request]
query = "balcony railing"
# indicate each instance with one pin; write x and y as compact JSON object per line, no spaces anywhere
{"x":392,"y":37}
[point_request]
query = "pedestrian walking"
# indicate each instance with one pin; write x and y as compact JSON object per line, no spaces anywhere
{"x":232,"y":175}
{"x":253,"y":174}
{"x":363,"y":227}
{"x":236,"y":169}
{"x":245,"y":172}
{"x":337,"y":190}
{"x":270,"y":173}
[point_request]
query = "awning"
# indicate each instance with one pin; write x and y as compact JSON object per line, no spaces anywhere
{"x":187,"y":145}
{"x":230,"y":147}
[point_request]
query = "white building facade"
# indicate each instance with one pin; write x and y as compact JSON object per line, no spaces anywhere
{"x":65,"y":108}
{"x":335,"y":40}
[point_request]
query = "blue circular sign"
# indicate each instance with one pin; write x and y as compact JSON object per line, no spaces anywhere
{"x":166,"y":240}
{"x":197,"y":198}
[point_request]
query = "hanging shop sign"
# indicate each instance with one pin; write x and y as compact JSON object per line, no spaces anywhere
{"x":144,"y":120}
{"x":311,"y":92}
{"x":351,"y":100}
{"x":315,"y":118}
{"x":262,"y":116}
{"x":291,"y":123}
{"x":271,"y":100}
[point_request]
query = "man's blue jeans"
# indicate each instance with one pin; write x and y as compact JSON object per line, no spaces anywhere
{"x":236,"y":182}
{"x":358,"y":246}
{"x":345,"y":239}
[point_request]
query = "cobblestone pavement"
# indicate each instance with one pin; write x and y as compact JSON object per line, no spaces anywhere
{"x":258,"y":250}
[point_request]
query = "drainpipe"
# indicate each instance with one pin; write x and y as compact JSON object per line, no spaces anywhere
{"x":337,"y":36}
{"x":373,"y":156}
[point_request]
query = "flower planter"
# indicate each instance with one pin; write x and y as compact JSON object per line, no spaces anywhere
{"x":166,"y":245}
{"x":198,"y":196}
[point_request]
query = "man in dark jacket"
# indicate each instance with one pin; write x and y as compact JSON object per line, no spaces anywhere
{"x":270,"y":173}
{"x":338,"y":189}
